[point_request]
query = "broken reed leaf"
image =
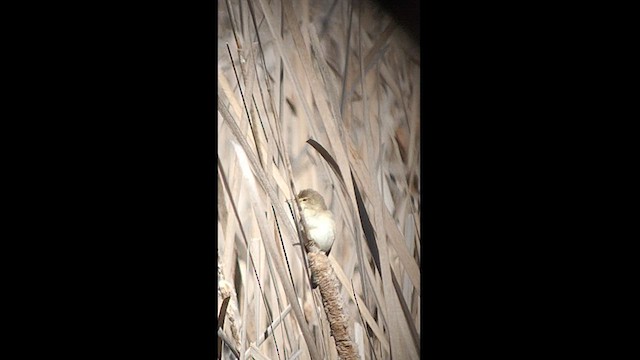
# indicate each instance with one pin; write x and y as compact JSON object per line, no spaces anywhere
{"x":367,"y":227}
{"x":325,"y":154}
{"x":221,"y":316}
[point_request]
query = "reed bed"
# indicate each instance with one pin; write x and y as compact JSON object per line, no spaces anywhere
{"x":322,"y":95}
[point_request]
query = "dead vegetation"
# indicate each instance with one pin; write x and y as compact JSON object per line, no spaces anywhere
{"x":323,"y":95}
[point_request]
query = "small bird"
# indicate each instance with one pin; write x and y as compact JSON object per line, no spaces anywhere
{"x":320,"y":226}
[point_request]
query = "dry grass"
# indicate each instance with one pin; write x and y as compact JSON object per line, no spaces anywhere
{"x":345,"y":76}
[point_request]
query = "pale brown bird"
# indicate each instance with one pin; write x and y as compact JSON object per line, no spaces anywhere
{"x":320,"y":225}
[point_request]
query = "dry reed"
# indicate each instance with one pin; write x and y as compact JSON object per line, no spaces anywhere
{"x":323,"y":95}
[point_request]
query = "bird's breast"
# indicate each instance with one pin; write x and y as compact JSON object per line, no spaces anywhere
{"x":321,"y":229}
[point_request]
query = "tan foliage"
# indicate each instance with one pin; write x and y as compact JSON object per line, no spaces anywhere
{"x":347,"y":77}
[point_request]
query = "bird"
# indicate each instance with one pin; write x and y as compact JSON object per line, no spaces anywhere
{"x":320,"y":225}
